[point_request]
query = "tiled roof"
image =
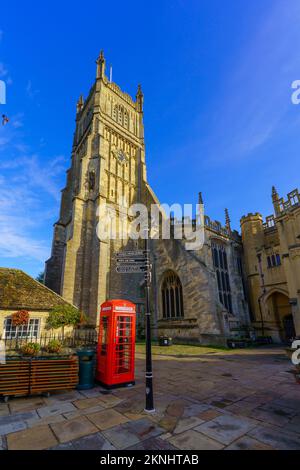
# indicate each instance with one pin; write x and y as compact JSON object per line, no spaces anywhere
{"x":19,"y":290}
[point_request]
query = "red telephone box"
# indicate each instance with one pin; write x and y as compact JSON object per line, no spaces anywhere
{"x":116,"y":344}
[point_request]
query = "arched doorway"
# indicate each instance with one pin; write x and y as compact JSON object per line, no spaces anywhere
{"x":280,"y":308}
{"x":289,"y":327}
{"x":171,"y":296}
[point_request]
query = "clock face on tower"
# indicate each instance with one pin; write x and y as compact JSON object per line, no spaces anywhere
{"x":121,"y":156}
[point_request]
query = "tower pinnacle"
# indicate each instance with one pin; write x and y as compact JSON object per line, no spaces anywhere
{"x":275,"y":195}
{"x":80,"y":104}
{"x":227,"y":220}
{"x":139,"y":99}
{"x":276,"y":200}
{"x":100,"y":65}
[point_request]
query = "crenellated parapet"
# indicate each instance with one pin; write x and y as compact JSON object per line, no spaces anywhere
{"x":251,"y":217}
{"x":293,"y":201}
{"x":209,"y":224}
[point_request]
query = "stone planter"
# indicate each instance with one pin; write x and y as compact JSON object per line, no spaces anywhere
{"x":36,"y":375}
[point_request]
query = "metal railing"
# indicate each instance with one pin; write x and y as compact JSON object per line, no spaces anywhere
{"x":74,"y":339}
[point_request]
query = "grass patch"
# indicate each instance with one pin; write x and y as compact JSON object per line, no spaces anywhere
{"x":180,"y":349}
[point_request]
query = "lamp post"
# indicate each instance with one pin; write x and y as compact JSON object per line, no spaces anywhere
{"x":149,"y":375}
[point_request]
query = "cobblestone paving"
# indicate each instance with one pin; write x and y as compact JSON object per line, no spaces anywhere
{"x":239,"y":400}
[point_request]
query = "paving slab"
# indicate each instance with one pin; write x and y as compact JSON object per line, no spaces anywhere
{"x":107,"y":419}
{"x":286,"y":402}
{"x":93,"y":442}
{"x":64,"y":446}
{"x":42,"y":421}
{"x":270,"y":417}
{"x":82,"y":412}
{"x":153,"y":444}
{"x":87,"y":403}
{"x":193,"y":440}
{"x":63,"y":396}
{"x":16,"y":422}
{"x":121,"y":438}
{"x":194,"y":409}
{"x":2,"y":443}
{"x":276,"y":437}
{"x":248,"y":443}
{"x":18,"y":405}
{"x":37,"y":438}
{"x":226,"y":428}
{"x":69,"y":430}
{"x":144,"y":428}
{"x":131,"y":433}
{"x":91,"y":393}
{"x":56,"y":408}
{"x":209,"y":414}
{"x":6,"y":429}
{"x":293,"y":425}
{"x":109,"y":400}
{"x":14,"y":418}
{"x":4,"y":410}
{"x":168,"y":422}
{"x":187,"y":423}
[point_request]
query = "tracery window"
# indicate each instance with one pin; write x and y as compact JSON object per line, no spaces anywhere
{"x":172,"y":300}
{"x":221,"y":267}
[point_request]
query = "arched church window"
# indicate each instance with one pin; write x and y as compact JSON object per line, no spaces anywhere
{"x":172,"y":300}
{"x":220,"y":263}
{"x":125,"y":119}
{"x":120,"y":115}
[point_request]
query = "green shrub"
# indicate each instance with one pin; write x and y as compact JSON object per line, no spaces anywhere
{"x":30,"y":349}
{"x":64,"y":315}
{"x":54,"y":346}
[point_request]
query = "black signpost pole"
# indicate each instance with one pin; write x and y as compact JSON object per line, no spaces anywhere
{"x":149,"y":375}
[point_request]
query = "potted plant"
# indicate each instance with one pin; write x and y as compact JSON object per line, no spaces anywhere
{"x":30,"y":349}
{"x":19,"y":318}
{"x":54,"y":346}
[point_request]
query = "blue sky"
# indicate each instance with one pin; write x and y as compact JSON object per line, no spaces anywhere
{"x":218,"y":114}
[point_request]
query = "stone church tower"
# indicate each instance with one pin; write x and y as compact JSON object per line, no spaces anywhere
{"x":108,"y":162}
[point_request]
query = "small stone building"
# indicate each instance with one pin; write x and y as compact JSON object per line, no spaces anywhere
{"x":272,"y":260}
{"x":19,"y":291}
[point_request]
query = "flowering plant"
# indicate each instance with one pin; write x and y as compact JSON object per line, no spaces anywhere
{"x":30,"y":349}
{"x":21,"y":317}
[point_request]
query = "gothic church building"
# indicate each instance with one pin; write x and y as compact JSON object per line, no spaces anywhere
{"x":197,"y":295}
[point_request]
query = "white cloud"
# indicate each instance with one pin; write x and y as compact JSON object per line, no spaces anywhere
{"x":27,"y":183}
{"x":31,"y":92}
{"x":3,"y":70}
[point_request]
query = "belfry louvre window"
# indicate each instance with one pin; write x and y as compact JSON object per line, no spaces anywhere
{"x":172,"y":301}
{"x":221,"y":267}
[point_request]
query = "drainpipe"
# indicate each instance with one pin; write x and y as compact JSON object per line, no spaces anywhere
{"x":261,"y":315}
{"x":262,"y":295}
